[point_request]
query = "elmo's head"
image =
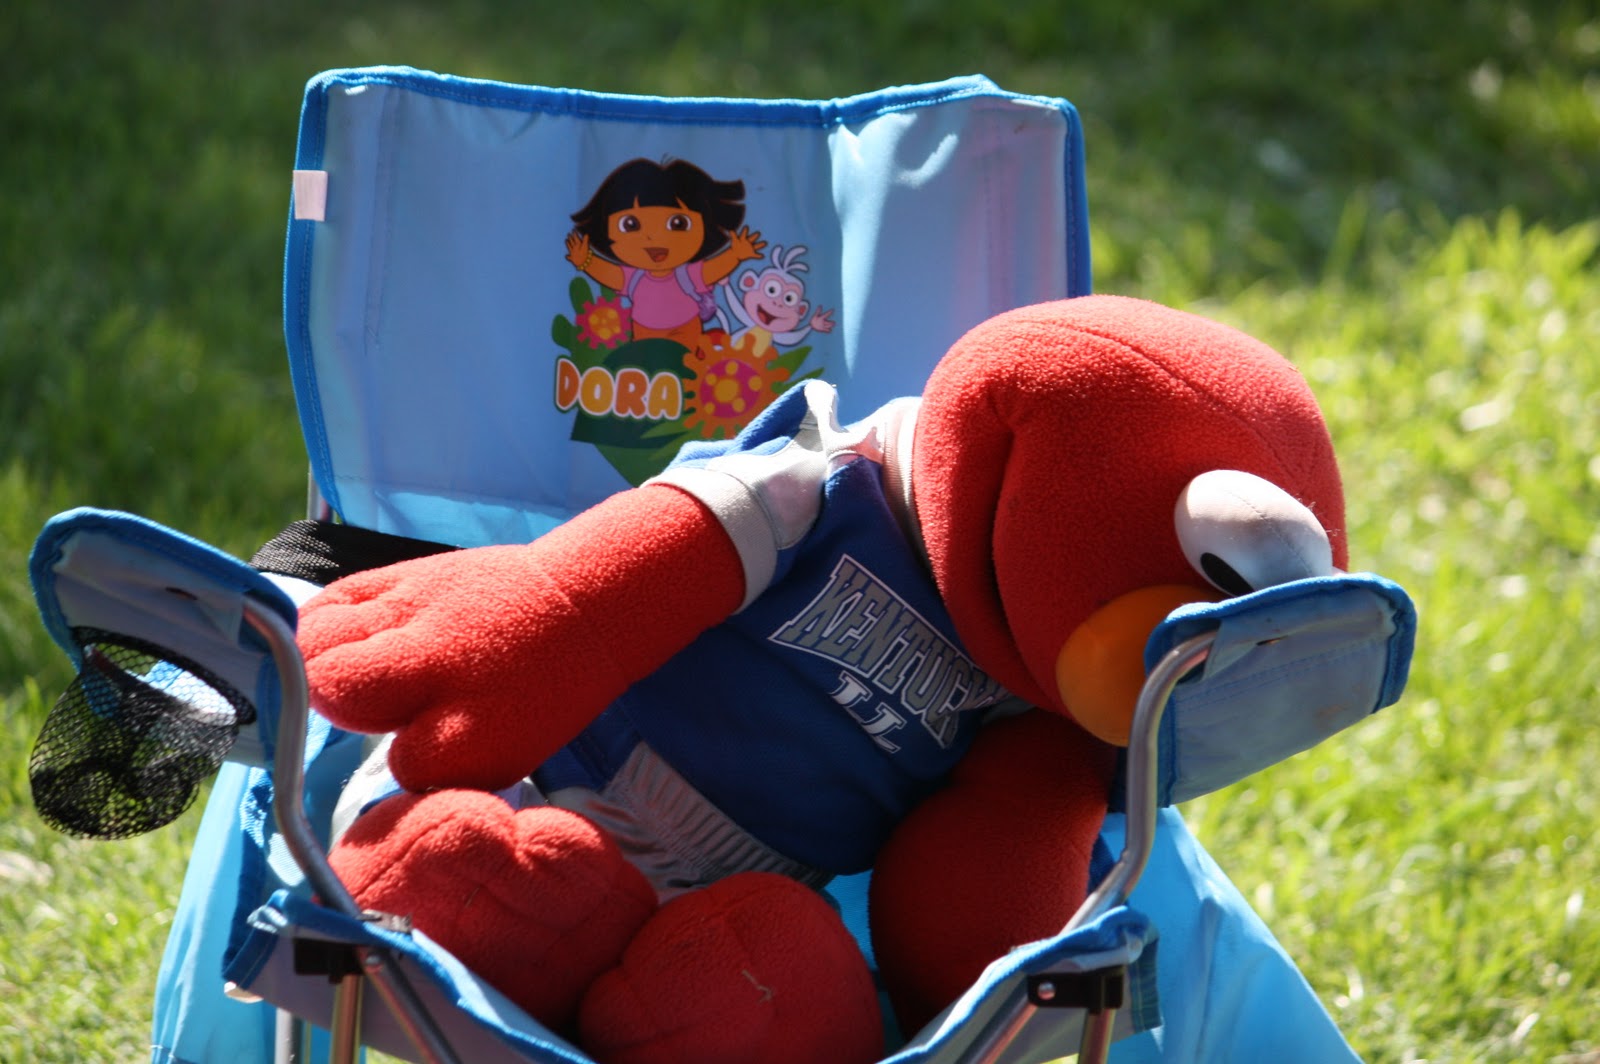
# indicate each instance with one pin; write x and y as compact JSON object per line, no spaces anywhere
{"x":1080,"y":468}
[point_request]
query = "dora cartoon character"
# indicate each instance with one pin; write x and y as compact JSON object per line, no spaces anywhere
{"x":661,"y":235}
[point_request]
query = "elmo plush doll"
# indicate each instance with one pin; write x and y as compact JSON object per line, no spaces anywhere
{"x":632,"y":749}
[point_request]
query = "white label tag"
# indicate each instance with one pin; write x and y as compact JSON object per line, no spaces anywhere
{"x":310,"y":195}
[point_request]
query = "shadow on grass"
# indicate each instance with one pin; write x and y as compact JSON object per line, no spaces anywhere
{"x":1266,"y":119}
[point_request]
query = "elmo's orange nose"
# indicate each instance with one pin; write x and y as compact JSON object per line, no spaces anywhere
{"x":1101,"y":666}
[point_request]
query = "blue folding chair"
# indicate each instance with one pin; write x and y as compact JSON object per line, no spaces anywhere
{"x":464,"y":379}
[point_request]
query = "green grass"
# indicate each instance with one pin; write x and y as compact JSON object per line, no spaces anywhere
{"x":1434,"y":869}
{"x":1401,"y":197}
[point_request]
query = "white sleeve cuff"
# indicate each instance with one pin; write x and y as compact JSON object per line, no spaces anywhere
{"x":767,"y":501}
{"x":739,"y":510}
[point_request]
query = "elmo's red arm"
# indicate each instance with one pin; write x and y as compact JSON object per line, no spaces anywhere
{"x":487,"y":661}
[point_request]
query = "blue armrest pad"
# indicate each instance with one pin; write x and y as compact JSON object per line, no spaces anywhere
{"x":1291,"y":666}
{"x":110,"y":572}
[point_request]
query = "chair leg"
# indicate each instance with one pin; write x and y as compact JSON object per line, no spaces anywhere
{"x":1096,"y":1044}
{"x":289,"y":1039}
{"x":345,"y":1034}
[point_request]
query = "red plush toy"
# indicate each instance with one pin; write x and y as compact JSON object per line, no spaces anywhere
{"x":908,"y":643}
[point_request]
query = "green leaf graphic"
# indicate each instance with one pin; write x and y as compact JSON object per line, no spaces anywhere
{"x":564,"y":333}
{"x":580,"y":293}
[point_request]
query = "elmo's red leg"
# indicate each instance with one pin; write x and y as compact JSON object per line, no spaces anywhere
{"x":997,"y":859}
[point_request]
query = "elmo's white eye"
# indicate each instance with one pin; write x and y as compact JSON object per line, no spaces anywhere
{"x":1243,"y":533}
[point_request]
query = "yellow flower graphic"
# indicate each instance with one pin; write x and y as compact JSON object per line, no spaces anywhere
{"x":731,"y":385}
{"x":603,"y":323}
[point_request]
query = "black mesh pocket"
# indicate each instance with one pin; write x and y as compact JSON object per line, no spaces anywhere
{"x":125,"y":748}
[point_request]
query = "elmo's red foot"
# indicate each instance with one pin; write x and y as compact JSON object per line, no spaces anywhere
{"x":755,"y":967}
{"x":538,"y":902}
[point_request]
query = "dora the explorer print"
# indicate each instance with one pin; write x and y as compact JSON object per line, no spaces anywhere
{"x":662,"y":235}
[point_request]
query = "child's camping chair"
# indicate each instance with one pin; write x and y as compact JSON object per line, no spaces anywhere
{"x":464,"y":379}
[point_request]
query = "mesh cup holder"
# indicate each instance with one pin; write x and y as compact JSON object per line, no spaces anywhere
{"x":126,"y":746}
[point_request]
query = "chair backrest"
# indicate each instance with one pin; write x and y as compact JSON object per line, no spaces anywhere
{"x":461,"y":379}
